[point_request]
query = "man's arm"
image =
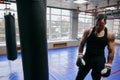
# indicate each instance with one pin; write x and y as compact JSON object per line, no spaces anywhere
{"x":111,"y":46}
{"x":106,"y":71}
{"x":83,"y":41}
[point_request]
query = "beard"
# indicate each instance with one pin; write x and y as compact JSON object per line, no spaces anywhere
{"x":99,"y":28}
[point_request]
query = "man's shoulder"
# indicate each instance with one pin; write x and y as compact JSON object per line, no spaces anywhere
{"x":111,"y":35}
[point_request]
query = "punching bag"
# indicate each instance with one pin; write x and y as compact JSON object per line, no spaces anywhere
{"x":33,"y":39}
{"x":10,"y":37}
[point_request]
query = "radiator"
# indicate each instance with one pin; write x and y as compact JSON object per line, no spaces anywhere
{"x":59,"y":45}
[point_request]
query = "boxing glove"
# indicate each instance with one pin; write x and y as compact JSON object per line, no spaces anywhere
{"x":80,"y":61}
{"x":106,"y":71}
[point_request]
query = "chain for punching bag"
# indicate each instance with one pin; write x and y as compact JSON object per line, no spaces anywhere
{"x":10,"y":37}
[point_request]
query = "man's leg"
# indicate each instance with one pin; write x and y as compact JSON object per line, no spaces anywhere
{"x":82,"y":72}
{"x":96,"y":70}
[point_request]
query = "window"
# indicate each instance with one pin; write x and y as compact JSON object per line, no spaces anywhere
{"x":58,"y":24}
{"x":3,"y":11}
{"x":114,"y":26}
{"x":84,"y":22}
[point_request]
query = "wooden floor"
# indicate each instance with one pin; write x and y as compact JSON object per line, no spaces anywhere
{"x":61,"y":65}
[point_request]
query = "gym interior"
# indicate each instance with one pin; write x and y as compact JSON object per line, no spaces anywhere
{"x":39,"y":39}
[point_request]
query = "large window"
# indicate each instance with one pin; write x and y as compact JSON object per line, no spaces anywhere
{"x":84,"y":22}
{"x":114,"y":26}
{"x":3,"y":11}
{"x":58,"y":24}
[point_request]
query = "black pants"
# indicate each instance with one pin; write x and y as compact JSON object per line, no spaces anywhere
{"x":94,"y":63}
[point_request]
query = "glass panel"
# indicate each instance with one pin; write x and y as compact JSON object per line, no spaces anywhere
{"x":59,"y":28}
{"x":88,"y":20}
{"x":80,"y":35}
{"x":109,"y":24}
{"x":3,"y":11}
{"x":55,"y":18}
{"x":64,"y":36}
{"x":116,"y":27}
{"x":13,"y":6}
{"x":88,"y":16}
{"x":81,"y":19}
{"x":66,"y":12}
{"x":65,"y":27}
{"x":2,"y":14}
{"x":48,"y":10}
{"x":2,"y":6}
{"x":2,"y":30}
{"x":84,"y":22}
{"x":115,"y":31}
{"x":55,"y":24}
{"x":87,"y":25}
{"x":55,"y":32}
{"x":81,"y":25}
{"x":48,"y":26}
{"x":55,"y":11}
{"x":64,"y":18}
{"x":81,"y":30}
{"x":83,"y":16}
{"x":48,"y":17}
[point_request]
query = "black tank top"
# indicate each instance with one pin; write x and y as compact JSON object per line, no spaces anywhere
{"x":95,"y":45}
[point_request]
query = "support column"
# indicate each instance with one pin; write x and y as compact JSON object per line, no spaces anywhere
{"x":74,"y":24}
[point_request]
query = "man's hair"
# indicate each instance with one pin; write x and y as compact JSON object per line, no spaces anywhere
{"x":100,"y":17}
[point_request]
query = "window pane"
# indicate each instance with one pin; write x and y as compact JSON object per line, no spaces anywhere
{"x":55,"y":11}
{"x":88,"y":20}
{"x":109,"y":24}
{"x":2,"y":30}
{"x":81,"y":25}
{"x":81,"y":19}
{"x":81,"y":16}
{"x":48,"y":28}
{"x":55,"y":24}
{"x":65,"y":27}
{"x":55,"y":32}
{"x":88,"y":16}
{"x":13,"y":6}
{"x":64,"y":18}
{"x":59,"y":24}
{"x":87,"y":25}
{"x":2,"y":14}
{"x":64,"y":36}
{"x":55,"y":18}
{"x":48,"y":10}
{"x":48,"y":17}
{"x":66,"y":12}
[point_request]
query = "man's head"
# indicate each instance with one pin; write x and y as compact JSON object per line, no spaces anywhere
{"x":99,"y":17}
{"x":100,"y":21}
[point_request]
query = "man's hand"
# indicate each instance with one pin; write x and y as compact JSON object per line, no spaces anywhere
{"x":107,"y":70}
{"x":80,"y":60}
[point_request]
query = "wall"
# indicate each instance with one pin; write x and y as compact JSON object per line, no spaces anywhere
{"x":61,"y":44}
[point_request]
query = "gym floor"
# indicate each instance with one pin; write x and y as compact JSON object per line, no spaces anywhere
{"x":61,"y":65}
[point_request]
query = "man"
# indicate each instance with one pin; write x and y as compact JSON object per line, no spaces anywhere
{"x":96,"y":39}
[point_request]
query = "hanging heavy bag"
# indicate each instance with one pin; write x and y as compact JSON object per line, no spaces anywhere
{"x":10,"y":37}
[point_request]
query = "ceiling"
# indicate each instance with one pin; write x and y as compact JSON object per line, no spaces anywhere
{"x":91,"y":5}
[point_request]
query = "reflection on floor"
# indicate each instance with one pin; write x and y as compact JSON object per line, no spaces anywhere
{"x":61,"y":65}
